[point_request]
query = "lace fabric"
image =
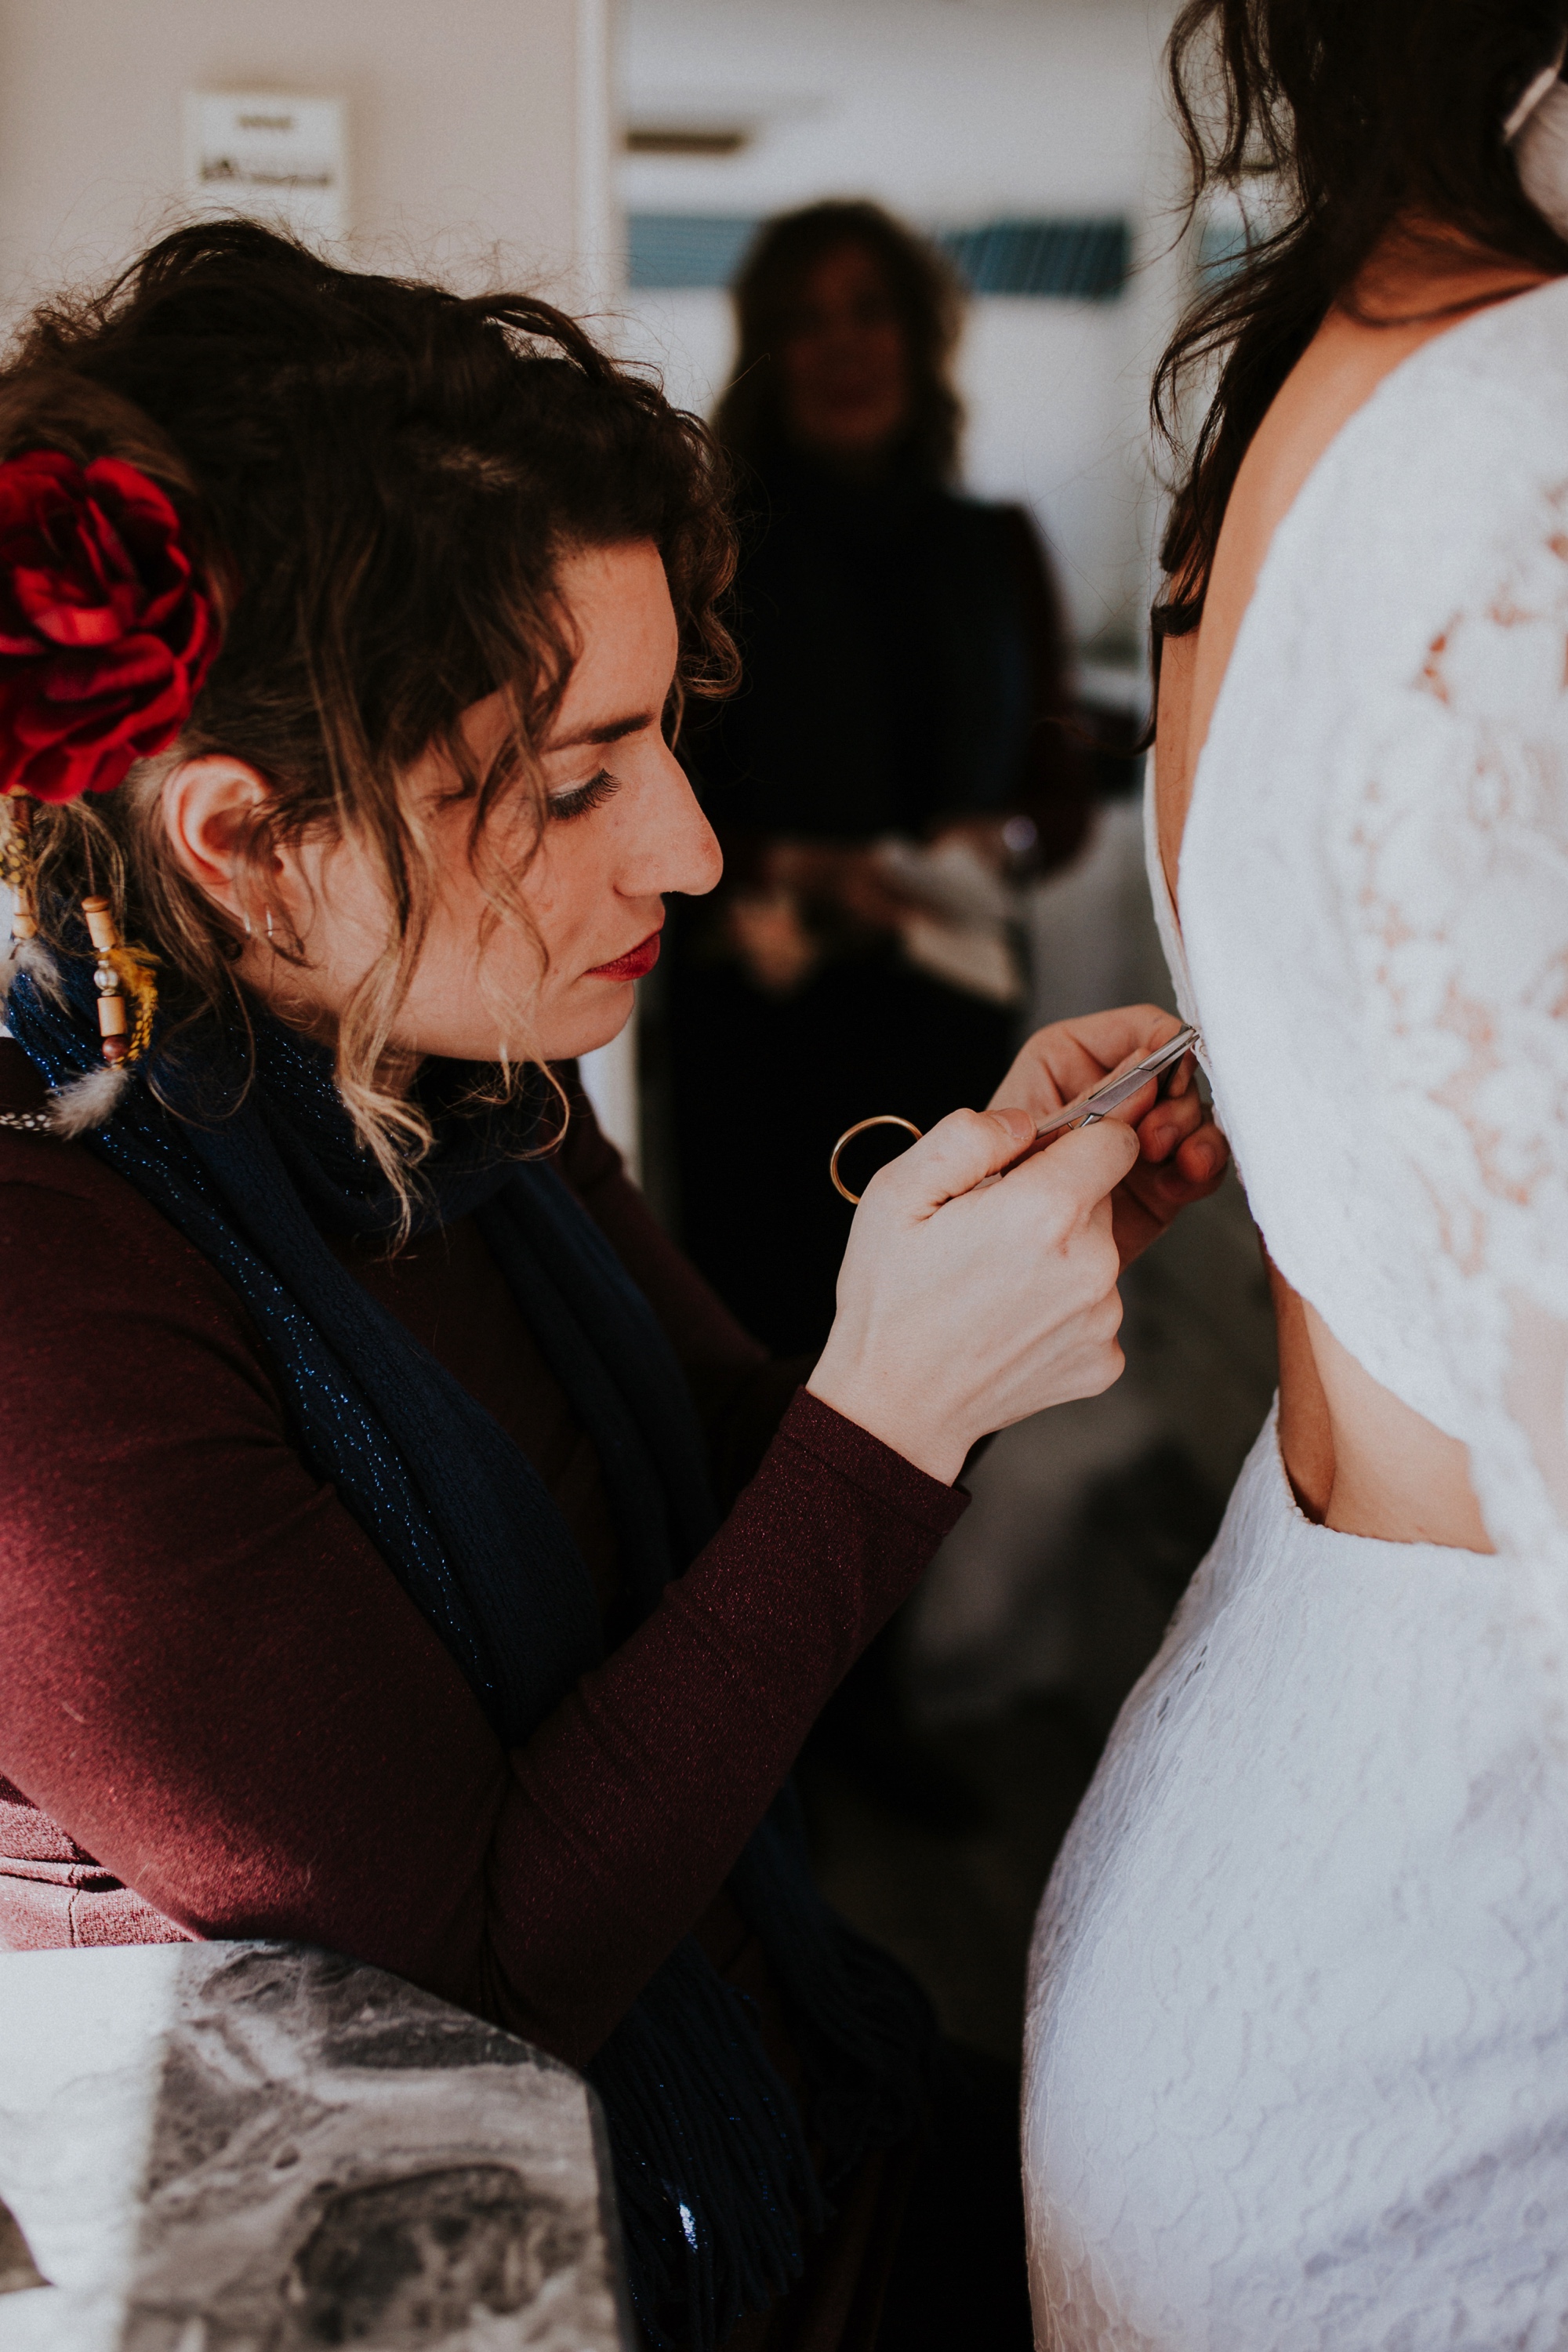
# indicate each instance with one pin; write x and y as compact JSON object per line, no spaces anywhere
{"x":1374,"y":900}
{"x":1297,"y":2060}
{"x":1285,"y":2083}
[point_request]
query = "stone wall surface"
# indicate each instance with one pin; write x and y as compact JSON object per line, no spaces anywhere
{"x":260,"y":2147}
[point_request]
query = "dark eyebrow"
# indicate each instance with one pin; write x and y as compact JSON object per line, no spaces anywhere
{"x":614,"y":730}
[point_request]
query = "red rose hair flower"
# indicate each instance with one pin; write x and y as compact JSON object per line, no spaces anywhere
{"x":104,"y":636}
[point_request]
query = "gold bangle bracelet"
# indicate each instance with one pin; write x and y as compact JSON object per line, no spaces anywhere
{"x":883,"y":1119}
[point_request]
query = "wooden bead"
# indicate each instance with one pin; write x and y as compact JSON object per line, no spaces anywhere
{"x":24,"y":926}
{"x":112,"y":1016}
{"x":115,"y":1049}
{"x":101,"y":928}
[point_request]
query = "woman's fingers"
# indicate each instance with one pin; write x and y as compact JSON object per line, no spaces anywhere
{"x":1173,"y":1120}
{"x":958,"y":1153}
{"x":980,"y":1281}
{"x":979,"y":1284}
{"x":1086,"y":1164}
{"x":1154,"y":1192}
{"x":967,"y":1147}
{"x":1063,"y":1060}
{"x":1120,"y":1035}
{"x":1203,"y":1159}
{"x":1180,"y":1136}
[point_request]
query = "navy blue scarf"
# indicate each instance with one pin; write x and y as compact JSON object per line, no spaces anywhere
{"x":716,"y":2185}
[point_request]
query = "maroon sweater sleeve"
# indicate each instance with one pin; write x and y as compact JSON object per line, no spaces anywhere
{"x":210,"y":1679}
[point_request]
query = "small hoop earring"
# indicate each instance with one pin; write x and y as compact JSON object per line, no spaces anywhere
{"x":268,"y":912}
{"x":248,"y":926}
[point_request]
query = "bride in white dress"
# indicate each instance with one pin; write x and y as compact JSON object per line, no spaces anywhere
{"x":1297,"y":2063}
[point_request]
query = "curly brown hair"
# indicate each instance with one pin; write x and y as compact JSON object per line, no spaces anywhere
{"x":378,"y":480}
{"x":1362,"y":116}
{"x":924,"y":291}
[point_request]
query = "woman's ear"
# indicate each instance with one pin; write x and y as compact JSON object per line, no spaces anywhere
{"x":212,"y":808}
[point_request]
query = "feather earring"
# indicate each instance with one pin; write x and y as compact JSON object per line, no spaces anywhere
{"x":84,"y":1103}
{"x":127,"y":1001}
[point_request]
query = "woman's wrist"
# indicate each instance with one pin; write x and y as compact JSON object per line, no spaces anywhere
{"x":924,"y":1435}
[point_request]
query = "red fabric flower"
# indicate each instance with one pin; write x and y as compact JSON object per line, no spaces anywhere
{"x":104,"y":637}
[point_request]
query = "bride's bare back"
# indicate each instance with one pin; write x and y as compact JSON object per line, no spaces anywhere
{"x":1359,"y":1458}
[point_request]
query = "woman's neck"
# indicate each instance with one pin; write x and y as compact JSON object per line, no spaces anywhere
{"x":1423,"y":270}
{"x":285,"y":999}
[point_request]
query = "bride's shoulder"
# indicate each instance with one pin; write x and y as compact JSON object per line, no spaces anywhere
{"x":1445,"y":495}
{"x":1516,"y":349}
{"x":1469,"y":430}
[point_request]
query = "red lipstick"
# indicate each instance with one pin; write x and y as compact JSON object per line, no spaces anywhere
{"x":636,"y":965}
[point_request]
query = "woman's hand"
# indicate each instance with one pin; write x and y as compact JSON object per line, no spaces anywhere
{"x":965,"y":1306}
{"x":1181,"y":1155}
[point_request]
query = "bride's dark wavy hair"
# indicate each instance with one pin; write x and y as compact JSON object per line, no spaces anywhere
{"x":1364,"y":114}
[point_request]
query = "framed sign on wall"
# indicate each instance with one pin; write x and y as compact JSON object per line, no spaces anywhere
{"x":278,"y":157}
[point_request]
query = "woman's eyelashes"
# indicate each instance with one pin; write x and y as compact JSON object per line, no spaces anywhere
{"x":577,"y":800}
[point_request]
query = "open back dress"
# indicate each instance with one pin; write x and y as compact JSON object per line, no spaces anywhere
{"x":1297,"y":2064}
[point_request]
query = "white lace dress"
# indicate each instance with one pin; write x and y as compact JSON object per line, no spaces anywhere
{"x":1297,"y":2064}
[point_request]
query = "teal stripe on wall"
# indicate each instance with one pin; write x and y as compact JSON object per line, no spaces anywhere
{"x":1050,"y":260}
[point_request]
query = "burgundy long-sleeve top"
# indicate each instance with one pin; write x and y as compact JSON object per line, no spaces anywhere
{"x":221,"y":1715}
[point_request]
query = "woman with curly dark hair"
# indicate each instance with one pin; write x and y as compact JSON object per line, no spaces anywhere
{"x":362,"y":1578}
{"x":1298,"y":2069}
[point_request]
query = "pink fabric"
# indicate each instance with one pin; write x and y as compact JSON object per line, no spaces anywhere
{"x":51,"y":1893}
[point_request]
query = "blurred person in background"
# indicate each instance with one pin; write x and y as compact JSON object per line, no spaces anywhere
{"x":894,"y":757}
{"x":896,"y":753}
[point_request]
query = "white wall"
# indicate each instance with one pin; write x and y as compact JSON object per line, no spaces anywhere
{"x":951,"y":111}
{"x":478,"y":129}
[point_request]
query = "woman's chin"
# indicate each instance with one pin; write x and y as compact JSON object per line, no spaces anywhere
{"x":585,"y":1027}
{"x":560,"y":1035}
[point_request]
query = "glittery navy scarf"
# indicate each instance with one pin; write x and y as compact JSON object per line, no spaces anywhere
{"x":716,"y":2185}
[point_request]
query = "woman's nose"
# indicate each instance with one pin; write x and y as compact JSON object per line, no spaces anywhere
{"x":679,"y":846}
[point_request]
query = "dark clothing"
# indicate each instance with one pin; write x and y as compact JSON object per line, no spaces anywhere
{"x":955,"y":2277}
{"x":763,"y":1087}
{"x":939,"y":2231}
{"x":220,"y":1716}
{"x":904,"y":664}
{"x":904,"y":659}
{"x":229,"y":1719}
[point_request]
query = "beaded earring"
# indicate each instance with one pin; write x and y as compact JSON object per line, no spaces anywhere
{"x":114,"y":1015}
{"x":127,"y":990}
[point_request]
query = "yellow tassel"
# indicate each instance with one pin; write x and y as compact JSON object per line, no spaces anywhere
{"x":121,"y":971}
{"x":136,"y":968}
